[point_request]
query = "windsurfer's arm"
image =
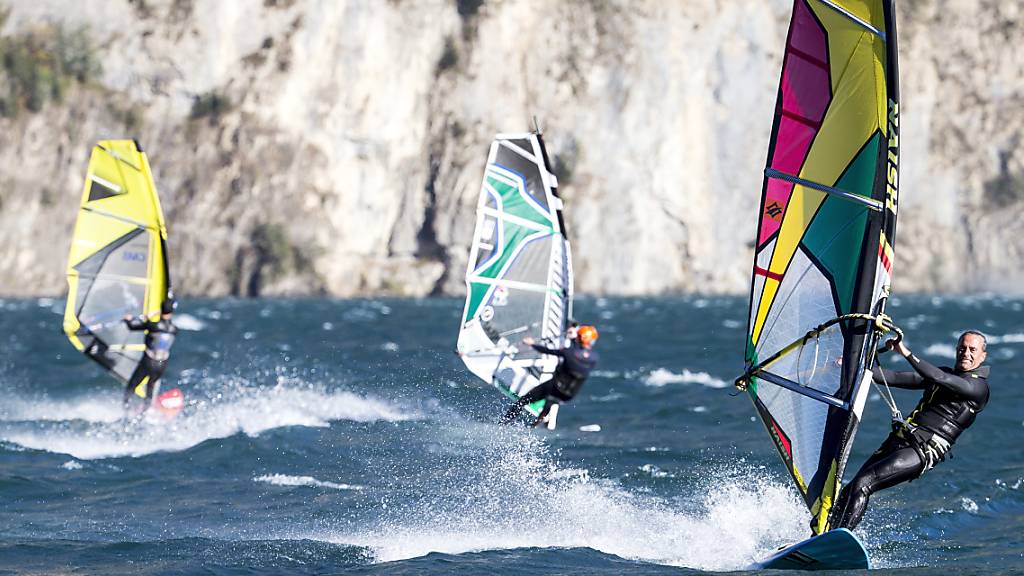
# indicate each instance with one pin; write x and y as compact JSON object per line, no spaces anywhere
{"x":546,"y":350}
{"x":904,"y":380}
{"x":971,"y":388}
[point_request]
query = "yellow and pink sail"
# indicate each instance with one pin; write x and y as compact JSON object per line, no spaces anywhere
{"x":823,"y":256}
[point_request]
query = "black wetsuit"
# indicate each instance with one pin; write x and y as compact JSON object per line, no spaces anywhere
{"x":951,"y":401}
{"x":159,"y":339}
{"x":573,"y":369}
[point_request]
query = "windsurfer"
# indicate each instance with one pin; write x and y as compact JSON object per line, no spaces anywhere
{"x":159,"y":339}
{"x":952,"y":399}
{"x":577,"y":361}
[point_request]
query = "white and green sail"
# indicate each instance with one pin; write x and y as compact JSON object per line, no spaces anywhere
{"x":519,"y":277}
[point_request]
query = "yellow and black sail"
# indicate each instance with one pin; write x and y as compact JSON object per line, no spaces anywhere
{"x":118,"y":259}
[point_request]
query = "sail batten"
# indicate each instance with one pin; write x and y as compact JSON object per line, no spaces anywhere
{"x":519,"y":274}
{"x":854,"y":18}
{"x":115,"y":277}
{"x":800,"y":389}
{"x":498,"y":214}
{"x":512,"y":284}
{"x":120,"y":217}
{"x":875,"y":205}
{"x":823,"y":253}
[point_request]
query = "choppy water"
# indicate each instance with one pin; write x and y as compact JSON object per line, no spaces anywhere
{"x":343,"y":436}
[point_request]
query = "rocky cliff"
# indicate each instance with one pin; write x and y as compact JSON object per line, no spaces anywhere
{"x":305,"y":147}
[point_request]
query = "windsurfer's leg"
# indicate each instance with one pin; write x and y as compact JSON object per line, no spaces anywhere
{"x":548,"y":403}
{"x":892,"y":464}
{"x":156,"y":371}
{"x":135,"y":380}
{"x":517,"y":408}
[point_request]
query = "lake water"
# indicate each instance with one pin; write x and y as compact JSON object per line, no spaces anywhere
{"x":325,"y":436}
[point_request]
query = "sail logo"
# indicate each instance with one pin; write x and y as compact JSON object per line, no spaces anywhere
{"x":893,"y":156}
{"x":134,"y":256}
{"x":775,"y":211}
{"x":500,"y":297}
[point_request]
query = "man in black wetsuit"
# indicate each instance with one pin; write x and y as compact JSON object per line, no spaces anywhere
{"x":575,"y":365}
{"x":953,"y":397}
{"x":159,"y":339}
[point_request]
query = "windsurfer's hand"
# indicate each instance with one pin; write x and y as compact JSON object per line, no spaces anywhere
{"x":127,"y":317}
{"x":902,"y":349}
{"x":528,"y":341}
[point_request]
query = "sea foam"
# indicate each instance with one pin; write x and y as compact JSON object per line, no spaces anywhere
{"x":661,"y":377}
{"x":93,"y":428}
{"x":510,"y":494}
{"x":285,"y":480}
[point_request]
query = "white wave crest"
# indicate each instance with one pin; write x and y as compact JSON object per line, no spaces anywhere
{"x":188,"y":322}
{"x":1015,"y":338}
{"x":655,"y":472}
{"x":96,"y":427}
{"x":661,"y":377}
{"x":285,"y":480}
{"x":735,"y":527}
{"x":940,"y":350}
{"x":97,"y":409}
{"x":512,"y":494}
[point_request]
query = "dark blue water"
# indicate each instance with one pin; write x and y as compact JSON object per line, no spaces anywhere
{"x":344,"y":437}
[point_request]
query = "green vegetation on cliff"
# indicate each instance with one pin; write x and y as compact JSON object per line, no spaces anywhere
{"x":41,"y":64}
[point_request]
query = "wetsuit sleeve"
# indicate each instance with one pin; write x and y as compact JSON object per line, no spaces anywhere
{"x":970,"y":388}
{"x":546,"y":350}
{"x":905,"y":380}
